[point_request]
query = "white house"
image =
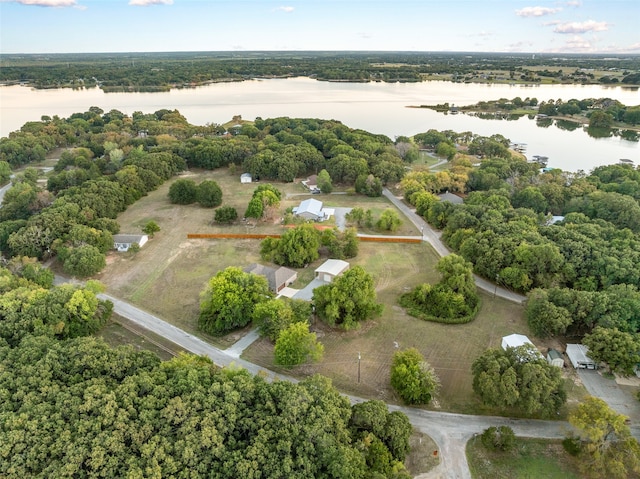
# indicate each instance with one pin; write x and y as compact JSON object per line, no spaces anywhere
{"x":245,"y":178}
{"x":123,"y":242}
{"x":311,"y":209}
{"x":330,"y":269}
{"x":578,"y":355}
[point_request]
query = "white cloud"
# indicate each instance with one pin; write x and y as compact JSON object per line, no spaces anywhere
{"x":536,"y":11}
{"x":574,"y":3}
{"x":285,"y":9}
{"x":48,"y":3}
{"x":147,"y":3}
{"x":581,"y":27}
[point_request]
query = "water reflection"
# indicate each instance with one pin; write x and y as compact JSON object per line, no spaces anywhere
{"x":568,"y":125}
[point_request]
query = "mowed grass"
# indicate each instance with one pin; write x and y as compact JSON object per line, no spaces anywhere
{"x":168,"y":274}
{"x":531,"y":458}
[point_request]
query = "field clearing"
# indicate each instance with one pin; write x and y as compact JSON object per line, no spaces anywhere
{"x":167,"y":275}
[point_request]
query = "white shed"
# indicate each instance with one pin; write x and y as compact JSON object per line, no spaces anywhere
{"x":331,"y":268}
{"x":245,"y":178}
{"x":555,"y":358}
{"x":578,"y":355}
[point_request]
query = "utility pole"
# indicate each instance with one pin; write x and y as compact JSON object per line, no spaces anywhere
{"x":358,"y":367}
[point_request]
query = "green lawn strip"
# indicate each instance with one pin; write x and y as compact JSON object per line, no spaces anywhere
{"x":530,"y":459}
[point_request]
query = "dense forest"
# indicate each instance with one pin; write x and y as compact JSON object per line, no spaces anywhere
{"x":161,"y":71}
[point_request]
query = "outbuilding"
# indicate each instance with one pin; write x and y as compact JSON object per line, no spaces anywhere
{"x":579,"y":356}
{"x":311,"y":209}
{"x":245,"y":178}
{"x":515,"y":340}
{"x":122,"y":242}
{"x":555,"y":358}
{"x":330,"y":269}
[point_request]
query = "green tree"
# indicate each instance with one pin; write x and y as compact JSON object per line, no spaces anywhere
{"x":389,"y":221}
{"x":609,"y":449}
{"x":225,"y":215}
{"x":229,"y":300}
{"x":600,"y":119}
{"x":324,"y":182}
{"x":499,"y":438}
{"x":150,"y":228}
{"x":82,"y":261}
{"x":297,"y":247}
{"x":272,"y":317}
{"x":209,"y":194}
{"x":5,"y":172}
{"x":183,"y":191}
{"x":297,"y":345}
{"x":520,"y":378}
{"x":348,"y":300}
{"x":620,"y":350}
{"x":412,"y":377}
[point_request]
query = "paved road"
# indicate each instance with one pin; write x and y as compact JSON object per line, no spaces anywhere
{"x":449,"y":431}
{"x":433,"y":238}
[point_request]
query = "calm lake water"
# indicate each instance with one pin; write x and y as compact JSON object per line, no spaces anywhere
{"x":376,"y":107}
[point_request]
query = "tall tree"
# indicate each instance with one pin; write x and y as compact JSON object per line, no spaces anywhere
{"x":610,"y":451}
{"x":412,"y":377}
{"x":229,"y":300}
{"x":348,"y":300}
{"x":297,"y":345}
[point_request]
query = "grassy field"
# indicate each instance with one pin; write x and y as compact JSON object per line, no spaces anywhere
{"x":167,"y":275}
{"x":531,"y":458}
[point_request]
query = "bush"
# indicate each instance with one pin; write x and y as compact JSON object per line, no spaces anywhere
{"x":183,"y":192}
{"x":209,"y":194}
{"x":412,"y":377}
{"x":498,"y":438}
{"x":572,"y":445}
{"x":225,"y":215}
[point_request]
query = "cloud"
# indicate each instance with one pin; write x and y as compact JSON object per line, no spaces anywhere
{"x":581,"y":27}
{"x":573,"y":3}
{"x":285,"y":9}
{"x":48,"y":3}
{"x":482,"y":34}
{"x":147,"y":3}
{"x":536,"y":11}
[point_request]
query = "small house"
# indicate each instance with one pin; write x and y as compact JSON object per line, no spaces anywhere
{"x":311,"y":209}
{"x":330,"y":269}
{"x":578,"y":355}
{"x":123,"y":242}
{"x":246,"y":178}
{"x":555,"y":358}
{"x":278,"y":278}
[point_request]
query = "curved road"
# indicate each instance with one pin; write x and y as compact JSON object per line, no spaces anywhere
{"x":433,"y":238}
{"x":449,"y":431}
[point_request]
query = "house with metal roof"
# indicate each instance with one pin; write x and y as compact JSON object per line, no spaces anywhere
{"x":122,"y":242}
{"x":330,"y":269}
{"x":311,"y":209}
{"x":578,"y":355}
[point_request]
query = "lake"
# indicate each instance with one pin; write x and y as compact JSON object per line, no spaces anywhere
{"x":375,"y":107}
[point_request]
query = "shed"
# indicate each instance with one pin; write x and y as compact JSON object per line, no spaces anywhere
{"x":555,"y":358}
{"x":330,"y":269}
{"x":122,"y":242}
{"x":578,"y":355}
{"x":515,"y":340}
{"x":278,"y":278}
{"x":245,"y":178}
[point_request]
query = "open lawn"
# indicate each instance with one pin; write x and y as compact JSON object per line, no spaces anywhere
{"x":531,"y":458}
{"x":167,"y":275}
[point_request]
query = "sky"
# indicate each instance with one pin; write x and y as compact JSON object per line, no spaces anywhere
{"x":79,"y":26}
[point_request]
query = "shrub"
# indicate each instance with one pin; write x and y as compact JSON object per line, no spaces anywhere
{"x":498,"y":438}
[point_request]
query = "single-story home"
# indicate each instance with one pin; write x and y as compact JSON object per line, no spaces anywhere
{"x":451,"y":198}
{"x":246,"y":178}
{"x":278,"y":278}
{"x":311,"y":209}
{"x":122,"y":242}
{"x":555,"y":358}
{"x":578,"y":355}
{"x":330,"y":269}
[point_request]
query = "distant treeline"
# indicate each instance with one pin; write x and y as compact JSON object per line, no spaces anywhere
{"x":160,"y":71}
